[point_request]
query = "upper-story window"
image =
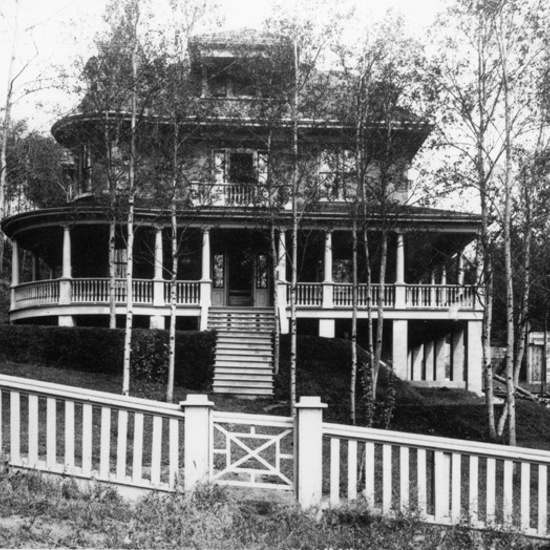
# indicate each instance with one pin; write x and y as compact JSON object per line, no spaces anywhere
{"x":240,"y":166}
{"x":231,"y":81}
{"x":337,"y":173}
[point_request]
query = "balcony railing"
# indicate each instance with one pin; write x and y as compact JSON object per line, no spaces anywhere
{"x":232,"y":194}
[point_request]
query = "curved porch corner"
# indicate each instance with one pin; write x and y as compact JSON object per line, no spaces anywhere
{"x":68,"y":297}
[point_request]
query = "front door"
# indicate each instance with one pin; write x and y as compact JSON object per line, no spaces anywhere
{"x":240,"y":278}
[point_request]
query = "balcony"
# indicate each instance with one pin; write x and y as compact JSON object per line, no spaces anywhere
{"x":236,"y":194}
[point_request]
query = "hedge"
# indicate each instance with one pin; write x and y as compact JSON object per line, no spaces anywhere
{"x":102,"y":349}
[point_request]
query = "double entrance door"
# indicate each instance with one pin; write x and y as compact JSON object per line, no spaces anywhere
{"x":240,"y":278}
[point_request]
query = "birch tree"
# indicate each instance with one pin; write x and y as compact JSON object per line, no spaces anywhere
{"x":383,"y":71}
{"x":488,"y":108}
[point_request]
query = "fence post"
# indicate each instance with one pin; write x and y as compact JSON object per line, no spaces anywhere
{"x":309,"y":451}
{"x":197,"y":440}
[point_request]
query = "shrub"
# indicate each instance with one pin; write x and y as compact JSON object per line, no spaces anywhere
{"x":102,"y":349}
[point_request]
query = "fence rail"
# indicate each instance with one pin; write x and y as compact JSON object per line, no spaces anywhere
{"x":445,"y":480}
{"x":151,"y":445}
{"x":89,"y":434}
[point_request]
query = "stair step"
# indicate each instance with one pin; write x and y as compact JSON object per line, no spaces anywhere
{"x":233,"y":327}
{"x":243,"y":371}
{"x":245,"y":351}
{"x":242,"y":384}
{"x":244,"y":392}
{"x":226,"y":336}
{"x":259,"y":378}
{"x":237,"y":363}
{"x":231,"y":354}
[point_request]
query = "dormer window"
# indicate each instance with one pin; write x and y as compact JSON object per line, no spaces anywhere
{"x":240,"y":166}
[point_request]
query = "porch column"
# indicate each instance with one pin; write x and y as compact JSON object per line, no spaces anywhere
{"x":400,"y":272}
{"x":416,"y":362}
{"x":327,"y":278}
{"x":206,"y":281}
{"x":400,"y":351}
{"x":14,"y":271}
{"x":429,"y":361}
{"x":458,"y":354}
{"x":158,"y":282}
{"x":66,"y":275}
{"x":439,"y":370}
{"x":281,"y":283}
{"x":35,"y":273}
{"x":474,"y":357}
{"x":281,"y":260}
{"x":460,"y":268}
{"x":67,"y":270}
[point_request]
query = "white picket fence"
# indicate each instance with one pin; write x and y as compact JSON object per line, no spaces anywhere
{"x":142,"y":444}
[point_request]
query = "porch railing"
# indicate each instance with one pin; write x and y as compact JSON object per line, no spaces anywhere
{"x":37,"y":293}
{"x":417,"y":296}
{"x":187,"y":293}
{"x":343,"y":295}
{"x":307,"y":294}
{"x":96,"y":291}
{"x":440,"y":296}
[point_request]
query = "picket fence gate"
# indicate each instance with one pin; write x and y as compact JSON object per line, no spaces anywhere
{"x":142,"y":444}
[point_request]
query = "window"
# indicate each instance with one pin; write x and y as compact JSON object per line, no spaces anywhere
{"x":240,"y":166}
{"x":336,"y":173}
{"x":218,"y":85}
{"x":218,"y":271}
{"x":261,"y":271}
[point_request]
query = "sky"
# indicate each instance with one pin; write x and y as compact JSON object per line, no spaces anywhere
{"x":54,"y":36}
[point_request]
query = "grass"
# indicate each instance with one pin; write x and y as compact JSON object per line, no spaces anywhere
{"x":38,"y":513}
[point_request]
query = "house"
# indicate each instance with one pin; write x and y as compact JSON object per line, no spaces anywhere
{"x":237,"y":196}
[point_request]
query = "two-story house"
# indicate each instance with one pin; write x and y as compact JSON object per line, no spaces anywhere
{"x":236,"y":195}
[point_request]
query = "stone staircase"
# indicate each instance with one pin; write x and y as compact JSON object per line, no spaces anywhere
{"x":244,"y":350}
